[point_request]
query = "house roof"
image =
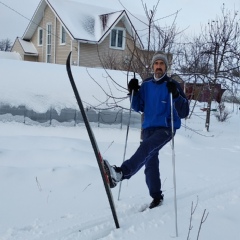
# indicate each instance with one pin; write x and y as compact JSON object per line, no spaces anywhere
{"x":28,"y":47}
{"x":86,"y":23}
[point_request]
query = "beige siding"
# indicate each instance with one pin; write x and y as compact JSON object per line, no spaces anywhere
{"x":59,"y":52}
{"x":18,"y":48}
{"x":34,"y":40}
{"x":47,"y":18}
{"x":62,"y":51}
{"x":31,"y":58}
{"x":91,"y":55}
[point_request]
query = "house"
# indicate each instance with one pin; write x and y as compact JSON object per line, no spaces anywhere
{"x":200,"y":91}
{"x":97,"y":36}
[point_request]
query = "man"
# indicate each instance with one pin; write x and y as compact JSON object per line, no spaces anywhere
{"x":152,"y":99}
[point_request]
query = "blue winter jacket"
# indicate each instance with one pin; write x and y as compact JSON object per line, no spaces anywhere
{"x":153,"y":99}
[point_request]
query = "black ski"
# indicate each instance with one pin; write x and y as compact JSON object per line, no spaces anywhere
{"x":93,"y":142}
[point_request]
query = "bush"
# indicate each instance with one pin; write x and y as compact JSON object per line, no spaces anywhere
{"x":222,"y":115}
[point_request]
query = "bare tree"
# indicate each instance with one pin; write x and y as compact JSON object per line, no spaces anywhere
{"x":159,"y":39}
{"x":156,"y":39}
{"x":214,"y":55}
{"x":203,"y":219}
{"x":221,"y":49}
{"x":139,"y":55}
{"x":192,"y":67}
{"x":193,"y":209}
{"x":5,"y":45}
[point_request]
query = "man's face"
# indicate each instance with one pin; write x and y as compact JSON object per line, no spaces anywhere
{"x":159,"y":68}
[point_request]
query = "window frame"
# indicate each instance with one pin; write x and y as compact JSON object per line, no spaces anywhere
{"x":62,"y":39}
{"x":116,"y":40}
{"x":40,"y":34}
{"x":49,"y":43}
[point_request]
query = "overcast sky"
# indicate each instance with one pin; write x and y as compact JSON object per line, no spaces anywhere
{"x":193,"y":13}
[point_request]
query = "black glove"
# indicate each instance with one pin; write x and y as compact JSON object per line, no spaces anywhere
{"x":133,"y":85}
{"x":172,"y":88}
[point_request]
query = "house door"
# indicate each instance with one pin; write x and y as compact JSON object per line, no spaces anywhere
{"x":49,"y":43}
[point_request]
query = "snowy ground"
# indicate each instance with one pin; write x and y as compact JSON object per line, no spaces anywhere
{"x":50,"y":184}
{"x":51,"y":187}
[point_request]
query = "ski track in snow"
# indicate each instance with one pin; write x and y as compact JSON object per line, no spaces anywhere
{"x":52,"y":187}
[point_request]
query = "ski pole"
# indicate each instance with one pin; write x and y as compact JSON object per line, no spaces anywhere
{"x":173,"y":163}
{"x":125,"y":147}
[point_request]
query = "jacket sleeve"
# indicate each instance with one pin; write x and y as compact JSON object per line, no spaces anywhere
{"x":181,"y":103}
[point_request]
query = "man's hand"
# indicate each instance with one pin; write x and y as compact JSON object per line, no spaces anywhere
{"x":172,"y":88}
{"x":133,"y":85}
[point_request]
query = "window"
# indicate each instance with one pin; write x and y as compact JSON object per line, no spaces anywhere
{"x":117,"y":38}
{"x":40,"y":36}
{"x":63,"y":36}
{"x":49,"y":43}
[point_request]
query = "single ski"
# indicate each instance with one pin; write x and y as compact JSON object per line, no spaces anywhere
{"x":93,"y":142}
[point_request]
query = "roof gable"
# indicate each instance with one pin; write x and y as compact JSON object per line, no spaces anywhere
{"x":35,"y":21}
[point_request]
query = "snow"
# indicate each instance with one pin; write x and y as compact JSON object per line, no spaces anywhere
{"x":83,"y":16}
{"x":51,"y":186}
{"x":10,"y":55}
{"x":86,"y":17}
{"x":44,"y":86}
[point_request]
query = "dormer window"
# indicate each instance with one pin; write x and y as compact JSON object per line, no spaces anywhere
{"x":118,"y":38}
{"x":63,"y":36}
{"x":40,"y":36}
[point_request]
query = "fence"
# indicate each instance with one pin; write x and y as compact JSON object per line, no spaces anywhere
{"x":67,"y":115}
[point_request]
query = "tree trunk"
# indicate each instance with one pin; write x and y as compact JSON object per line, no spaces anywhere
{"x":207,"y":123}
{"x":209,"y":104}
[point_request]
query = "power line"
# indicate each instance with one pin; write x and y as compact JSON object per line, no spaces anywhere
{"x":31,"y":21}
{"x":15,"y":11}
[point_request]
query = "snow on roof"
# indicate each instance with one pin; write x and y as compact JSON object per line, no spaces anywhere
{"x":84,"y":21}
{"x":28,"y":47}
{"x":10,"y":55}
